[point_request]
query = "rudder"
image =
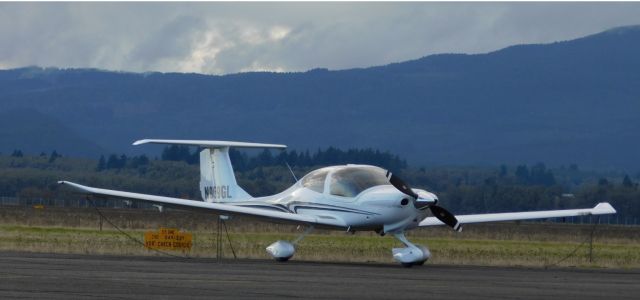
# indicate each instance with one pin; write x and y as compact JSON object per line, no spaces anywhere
{"x":217,"y":180}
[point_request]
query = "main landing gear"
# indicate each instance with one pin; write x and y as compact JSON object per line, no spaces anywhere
{"x":283,"y":250}
{"x":412,"y":254}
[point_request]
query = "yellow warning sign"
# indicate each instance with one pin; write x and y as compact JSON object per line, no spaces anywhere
{"x":168,"y":239}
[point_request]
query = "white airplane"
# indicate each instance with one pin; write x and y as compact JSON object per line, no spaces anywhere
{"x":348,"y":197}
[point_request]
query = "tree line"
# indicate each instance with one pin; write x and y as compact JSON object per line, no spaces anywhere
{"x":462,"y":189}
{"x":330,"y":156}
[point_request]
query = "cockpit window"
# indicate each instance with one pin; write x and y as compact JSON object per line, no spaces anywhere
{"x":315,"y":180}
{"x":351,"y":181}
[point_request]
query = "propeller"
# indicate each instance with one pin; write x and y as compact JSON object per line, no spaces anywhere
{"x":440,"y":213}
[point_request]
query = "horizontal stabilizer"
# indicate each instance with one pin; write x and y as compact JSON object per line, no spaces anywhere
{"x":210,"y":144}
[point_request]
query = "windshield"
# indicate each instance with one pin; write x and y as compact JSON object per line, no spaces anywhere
{"x":315,"y":180}
{"x":351,"y":181}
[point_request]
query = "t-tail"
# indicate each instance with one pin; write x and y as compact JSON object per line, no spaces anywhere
{"x":217,"y":180}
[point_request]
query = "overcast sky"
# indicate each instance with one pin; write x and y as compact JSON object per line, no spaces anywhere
{"x":220,"y":38}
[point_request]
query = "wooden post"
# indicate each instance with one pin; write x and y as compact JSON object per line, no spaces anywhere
{"x":593,"y":230}
{"x":591,"y":247}
{"x":219,"y":240}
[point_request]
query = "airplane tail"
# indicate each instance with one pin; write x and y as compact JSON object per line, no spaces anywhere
{"x":217,"y":180}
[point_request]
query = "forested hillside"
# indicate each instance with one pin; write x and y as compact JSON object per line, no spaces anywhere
{"x":568,"y":102}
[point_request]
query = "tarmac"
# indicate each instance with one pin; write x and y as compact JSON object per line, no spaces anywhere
{"x":64,"y":276}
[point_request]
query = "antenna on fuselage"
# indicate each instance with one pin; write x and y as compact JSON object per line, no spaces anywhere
{"x":290,"y":170}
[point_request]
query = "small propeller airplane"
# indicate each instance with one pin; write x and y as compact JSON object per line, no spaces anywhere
{"x":347,"y":197}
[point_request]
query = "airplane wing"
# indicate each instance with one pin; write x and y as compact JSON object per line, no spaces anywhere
{"x":270,"y":215}
{"x":600,"y":209}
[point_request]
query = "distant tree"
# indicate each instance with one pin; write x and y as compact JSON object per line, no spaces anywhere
{"x":144,"y":160}
{"x":193,"y":158}
{"x":113,"y":162}
{"x":305,"y":159}
{"x":238,"y":159}
{"x":17,"y":153}
{"x":626,"y":182}
{"x":292,"y":157}
{"x":122,"y":161}
{"x":522,"y":174}
{"x":54,"y":155}
{"x":503,"y":171}
{"x":176,"y":153}
{"x":539,"y":175}
{"x":102,"y":164}
{"x":491,"y":181}
{"x":603,"y":182}
{"x":170,"y":153}
{"x":265,"y":158}
{"x":139,"y":161}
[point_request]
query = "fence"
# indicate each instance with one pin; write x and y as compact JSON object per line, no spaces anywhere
{"x":72,"y":203}
{"x":616,"y":219}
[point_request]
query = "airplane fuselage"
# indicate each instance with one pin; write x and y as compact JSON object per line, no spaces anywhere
{"x":380,"y":208}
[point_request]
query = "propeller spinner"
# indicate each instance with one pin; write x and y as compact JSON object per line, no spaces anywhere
{"x":440,"y":213}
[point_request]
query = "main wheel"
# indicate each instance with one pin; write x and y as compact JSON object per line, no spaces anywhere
{"x":417,"y":263}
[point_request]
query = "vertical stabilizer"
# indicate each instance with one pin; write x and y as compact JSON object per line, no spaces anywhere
{"x":217,"y":180}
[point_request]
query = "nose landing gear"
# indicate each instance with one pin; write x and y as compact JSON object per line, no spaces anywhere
{"x":412,"y":255}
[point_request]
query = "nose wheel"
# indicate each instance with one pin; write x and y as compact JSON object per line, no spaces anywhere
{"x":412,"y":254}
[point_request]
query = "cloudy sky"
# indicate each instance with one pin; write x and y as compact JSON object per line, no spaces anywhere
{"x":221,"y":38}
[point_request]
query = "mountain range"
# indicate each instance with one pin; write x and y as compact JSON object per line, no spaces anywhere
{"x":566,"y":102}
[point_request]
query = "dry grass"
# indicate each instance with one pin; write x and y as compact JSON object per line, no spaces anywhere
{"x":76,"y":231}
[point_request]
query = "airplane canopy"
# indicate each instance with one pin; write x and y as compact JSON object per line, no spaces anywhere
{"x":345,"y":181}
{"x":352,"y":180}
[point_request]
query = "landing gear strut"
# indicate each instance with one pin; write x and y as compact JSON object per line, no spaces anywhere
{"x":412,"y":255}
{"x":283,"y":250}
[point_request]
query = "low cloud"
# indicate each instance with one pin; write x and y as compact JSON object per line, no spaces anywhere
{"x":219,"y":38}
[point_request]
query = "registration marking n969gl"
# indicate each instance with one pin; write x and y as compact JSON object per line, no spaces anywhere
{"x":217,"y":192}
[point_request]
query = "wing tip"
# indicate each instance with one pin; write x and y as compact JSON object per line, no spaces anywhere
{"x":604,"y":208}
{"x":75,"y":186}
{"x":140,"y":142}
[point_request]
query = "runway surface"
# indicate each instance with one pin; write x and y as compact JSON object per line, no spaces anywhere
{"x":57,"y":276}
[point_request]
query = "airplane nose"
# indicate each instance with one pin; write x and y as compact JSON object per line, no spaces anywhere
{"x":425,"y":200}
{"x":422,"y":203}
